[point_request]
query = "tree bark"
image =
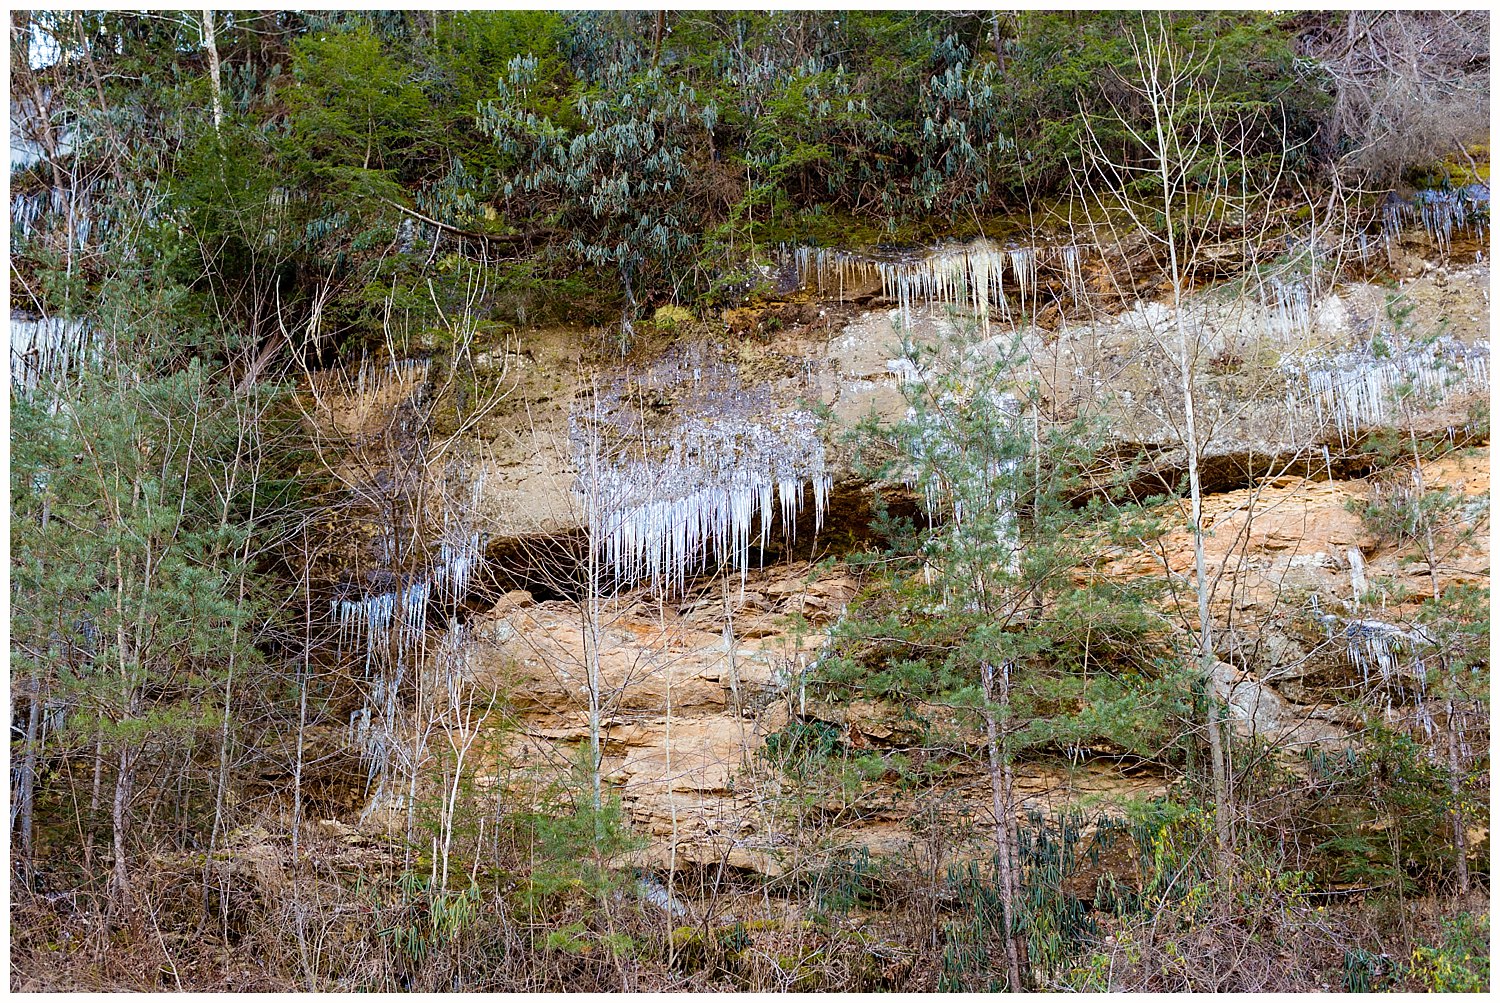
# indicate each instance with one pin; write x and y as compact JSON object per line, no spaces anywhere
{"x":1455,"y":761}
{"x":1455,"y":791}
{"x":26,"y":782}
{"x":658,"y":33}
{"x":1160,"y":96}
{"x":119,"y":885}
{"x":214,"y":84}
{"x":589,"y":607}
{"x":996,"y":699}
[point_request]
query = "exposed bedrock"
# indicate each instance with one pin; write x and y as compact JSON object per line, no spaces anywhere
{"x":1281,"y":387}
{"x":697,"y":672}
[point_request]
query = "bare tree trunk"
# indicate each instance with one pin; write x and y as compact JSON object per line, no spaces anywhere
{"x":658,"y":33}
{"x":589,"y":607}
{"x":1455,"y":790}
{"x":20,"y":38}
{"x":1223,"y":832}
{"x":93,"y":820}
{"x":214,"y":84}
{"x":119,"y":886}
{"x":26,"y":782}
{"x":1004,"y":816}
{"x":302,"y":680}
{"x":1455,"y":762}
{"x":1157,"y":64}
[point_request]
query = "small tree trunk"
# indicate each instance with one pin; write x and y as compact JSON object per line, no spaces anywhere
{"x":589,"y":607}
{"x":658,"y":33}
{"x":214,"y":84}
{"x":1004,"y":816}
{"x":302,"y":679}
{"x":1160,"y":98}
{"x":1455,"y":791}
{"x":1455,"y":763}
{"x":119,"y":886}
{"x":92,"y":831}
{"x":26,"y":783}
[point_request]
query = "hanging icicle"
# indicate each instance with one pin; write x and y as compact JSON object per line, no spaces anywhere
{"x":669,"y":501}
{"x":1358,"y":389}
{"x":1441,"y":212}
{"x":48,"y":348}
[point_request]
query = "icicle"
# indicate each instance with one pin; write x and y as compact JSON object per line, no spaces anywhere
{"x":1441,"y":212}
{"x":1357,"y":389}
{"x":1072,"y":268}
{"x":669,"y":502}
{"x":1023,"y":266}
{"x":968,"y":277}
{"x":48,"y":348}
{"x":1357,"y":581}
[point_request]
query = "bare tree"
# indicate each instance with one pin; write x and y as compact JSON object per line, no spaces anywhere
{"x":1179,"y":143}
{"x":1409,"y":86}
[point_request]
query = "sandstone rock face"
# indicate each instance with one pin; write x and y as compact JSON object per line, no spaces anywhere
{"x":1121,"y":367}
{"x":692,"y":689}
{"x":689,"y":705}
{"x":688,"y":708}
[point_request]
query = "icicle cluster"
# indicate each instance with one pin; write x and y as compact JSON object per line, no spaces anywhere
{"x":389,"y":626}
{"x":1380,"y":650}
{"x":47,"y":348}
{"x":28,"y":208}
{"x":832,"y":271}
{"x":1442,"y":212}
{"x":85,"y":214}
{"x":1290,"y":303}
{"x":1380,"y":646}
{"x":373,"y":376}
{"x":953,"y":277}
{"x":399,"y":611}
{"x":667,"y":503}
{"x":1357,"y":389}
{"x":1072,"y":268}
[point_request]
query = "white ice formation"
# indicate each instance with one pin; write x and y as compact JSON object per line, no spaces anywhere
{"x":971,"y":277}
{"x":1441,"y":212}
{"x":399,"y":610}
{"x":1389,"y":655}
{"x":1361,"y":388}
{"x":48,"y":348}
{"x":669,"y":500}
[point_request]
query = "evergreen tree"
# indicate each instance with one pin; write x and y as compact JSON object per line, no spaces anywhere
{"x":994,"y":605}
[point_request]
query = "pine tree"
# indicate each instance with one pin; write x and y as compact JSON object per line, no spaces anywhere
{"x":992,"y":605}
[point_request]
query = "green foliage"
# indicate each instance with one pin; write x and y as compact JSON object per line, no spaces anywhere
{"x":847,"y":882}
{"x":1170,"y":839}
{"x":1002,"y":574}
{"x":1382,"y":816}
{"x":618,"y":181}
{"x":1397,"y":513}
{"x":1461,"y":962}
{"x":1058,"y":925}
{"x":431,"y":921}
{"x":1077,"y":72}
{"x":671,"y":154}
{"x":352,"y":107}
{"x":1363,"y":971}
{"x":800,"y":741}
{"x":574,"y":848}
{"x":131,"y":593}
